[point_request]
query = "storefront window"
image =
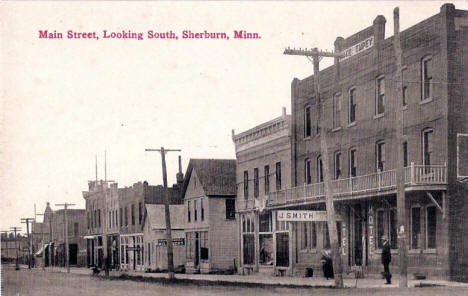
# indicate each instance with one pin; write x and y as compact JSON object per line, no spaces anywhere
{"x":190,"y":245}
{"x":431,"y":222}
{"x":248,"y":239}
{"x":204,"y":250}
{"x":308,"y":235}
{"x":380,"y":227}
{"x":415,"y":227}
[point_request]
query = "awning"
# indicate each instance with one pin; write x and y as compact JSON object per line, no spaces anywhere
{"x":89,"y":236}
{"x":38,"y":253}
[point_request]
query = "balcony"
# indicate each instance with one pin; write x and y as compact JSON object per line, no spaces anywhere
{"x":380,"y":183}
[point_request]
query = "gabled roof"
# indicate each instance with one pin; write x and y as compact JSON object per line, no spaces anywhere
{"x":217,"y":176}
{"x":156,"y":217}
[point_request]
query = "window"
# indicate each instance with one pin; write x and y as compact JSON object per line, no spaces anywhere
{"x":337,"y":165}
{"x":308,"y":172}
{"x":256,"y":182}
{"x":126,"y":216}
{"x":380,"y":156}
{"x":426,"y":78}
{"x":76,"y":228}
{"x":308,"y":235}
{"x":267,"y":179}
{"x":380,"y":227}
{"x":405,"y":154}
{"x":140,"y":214}
{"x":326,"y":236}
{"x":307,"y":122}
{"x":415,"y":227}
{"x":431,"y":224}
{"x":95,"y":219}
{"x":278,"y":176}
{"x":149,"y":253}
{"x":190,"y":250}
{"x":352,"y":105}
{"x":405,"y":88}
{"x":99,"y":217}
{"x":352,"y":162}
{"x":189,"y":216}
{"x":319,"y":169}
{"x":427,"y":146}
{"x":88,"y":220}
{"x":202,"y":210}
{"x":248,"y":239}
{"x":230,"y":209}
{"x":110,"y":219}
{"x":380,"y":96}
{"x":133,"y":214}
{"x":121,"y":217}
{"x":246,"y":185}
{"x":195,"y":211}
{"x":336,"y":110}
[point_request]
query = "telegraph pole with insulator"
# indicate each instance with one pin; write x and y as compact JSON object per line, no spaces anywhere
{"x":15,"y":231}
{"x":170,"y":252}
{"x":315,"y":56}
{"x":27,"y":221}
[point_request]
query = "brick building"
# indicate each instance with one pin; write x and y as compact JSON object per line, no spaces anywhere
{"x":358,"y":92}
{"x":209,"y":193}
{"x":263,"y":158}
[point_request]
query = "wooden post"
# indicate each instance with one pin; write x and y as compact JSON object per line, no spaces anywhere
{"x":400,"y":177}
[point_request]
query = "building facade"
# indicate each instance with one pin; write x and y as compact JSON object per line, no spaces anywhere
{"x":263,"y":165}
{"x":209,"y":193}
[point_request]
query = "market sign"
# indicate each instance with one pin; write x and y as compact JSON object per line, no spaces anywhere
{"x":304,"y":216}
{"x":357,"y":48}
{"x":175,"y":242}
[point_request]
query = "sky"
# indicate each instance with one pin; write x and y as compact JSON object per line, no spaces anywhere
{"x":66,"y":101}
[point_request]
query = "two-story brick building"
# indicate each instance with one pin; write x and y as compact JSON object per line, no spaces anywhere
{"x":263,"y":158}
{"x":360,"y":110}
{"x":209,"y":193}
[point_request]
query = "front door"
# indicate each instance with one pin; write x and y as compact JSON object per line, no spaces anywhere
{"x":282,"y":249}
{"x":197,"y":249}
{"x":73,"y":253}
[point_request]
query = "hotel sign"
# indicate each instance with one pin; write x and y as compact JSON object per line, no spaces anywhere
{"x":357,"y":48}
{"x":303,"y":216}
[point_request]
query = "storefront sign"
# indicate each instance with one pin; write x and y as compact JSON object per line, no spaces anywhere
{"x":304,"y":216}
{"x":175,"y":242}
{"x":344,"y":236}
{"x":357,"y":48}
{"x":371,"y":229}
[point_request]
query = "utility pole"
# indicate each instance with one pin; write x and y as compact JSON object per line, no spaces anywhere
{"x":27,"y":220}
{"x":400,"y":173}
{"x":315,"y":55}
{"x":42,"y":240}
{"x":67,"y":254}
{"x":15,"y":230}
{"x":170,"y":252}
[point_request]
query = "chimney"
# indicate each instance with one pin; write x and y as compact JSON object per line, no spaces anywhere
{"x":284,"y":112}
{"x":180,"y":175}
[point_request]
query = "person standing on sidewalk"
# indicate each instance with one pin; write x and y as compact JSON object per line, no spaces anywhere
{"x":386,"y":259}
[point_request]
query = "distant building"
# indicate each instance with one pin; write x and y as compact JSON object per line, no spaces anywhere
{"x":154,"y":236}
{"x":211,"y":231}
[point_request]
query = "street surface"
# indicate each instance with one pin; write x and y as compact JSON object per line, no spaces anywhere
{"x":36,"y":282}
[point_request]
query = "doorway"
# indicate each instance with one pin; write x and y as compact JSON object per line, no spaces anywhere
{"x":73,"y":254}
{"x":282,"y":249}
{"x":197,"y":249}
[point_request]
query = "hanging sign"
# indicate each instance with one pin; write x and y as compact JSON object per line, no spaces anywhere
{"x":304,"y":216}
{"x":357,"y":48}
{"x":175,"y":242}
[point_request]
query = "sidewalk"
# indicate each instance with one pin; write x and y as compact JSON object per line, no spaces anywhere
{"x":262,"y":280}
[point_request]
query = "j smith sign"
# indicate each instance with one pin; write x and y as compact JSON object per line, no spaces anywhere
{"x":303,"y":216}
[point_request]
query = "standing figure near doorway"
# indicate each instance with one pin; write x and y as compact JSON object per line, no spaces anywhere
{"x":386,"y":259}
{"x":327,"y":264}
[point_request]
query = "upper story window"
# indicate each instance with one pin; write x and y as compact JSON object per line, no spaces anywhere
{"x":246,"y":184}
{"x":267,"y":179}
{"x":195,"y":214}
{"x":76,"y":228}
{"x":189,"y":214}
{"x":336,"y":110}
{"x":308,"y":171}
{"x":278,"y":176}
{"x":140,"y":213}
{"x":120,"y":217}
{"x":319,"y":169}
{"x":352,"y":105}
{"x":256,"y":189}
{"x":99,"y":217}
{"x":352,"y":162}
{"x":380,"y":156}
{"x":307,"y":122}
{"x":230,"y":209}
{"x":405,"y":154}
{"x":337,"y":165}
{"x":426,"y":78}
{"x":427,"y":146}
{"x":380,"y":95}
{"x":126,"y":216}
{"x":202,"y":210}
{"x":405,"y":87}
{"x":133,"y":214}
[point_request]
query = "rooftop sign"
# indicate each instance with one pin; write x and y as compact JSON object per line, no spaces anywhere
{"x":357,"y":48}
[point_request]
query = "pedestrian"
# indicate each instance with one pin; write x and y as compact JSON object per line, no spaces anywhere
{"x":327,"y":264}
{"x":386,"y":259}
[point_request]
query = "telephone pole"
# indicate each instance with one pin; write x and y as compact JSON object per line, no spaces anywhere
{"x":42,"y":240}
{"x":67,"y":254}
{"x":15,"y":230}
{"x":170,"y":252}
{"x":315,"y":55}
{"x":400,"y":173}
{"x":27,"y":221}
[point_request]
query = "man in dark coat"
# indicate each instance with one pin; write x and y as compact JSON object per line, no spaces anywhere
{"x":386,"y":259}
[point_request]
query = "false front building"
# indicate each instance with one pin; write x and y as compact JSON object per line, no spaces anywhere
{"x":209,"y":197}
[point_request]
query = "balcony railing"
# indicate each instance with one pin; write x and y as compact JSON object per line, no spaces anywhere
{"x":354,"y":186}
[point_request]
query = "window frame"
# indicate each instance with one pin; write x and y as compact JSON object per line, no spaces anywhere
{"x":278,"y":175}
{"x":266,"y":176}
{"x":337,"y":165}
{"x":427,"y":141}
{"x":379,"y":96}
{"x":307,"y":171}
{"x":418,"y":206}
{"x":380,"y":156}
{"x":307,"y":122}
{"x":246,"y":185}
{"x":319,"y":169}
{"x":337,"y":110}
{"x":424,"y":60}
{"x":352,"y":105}
{"x":426,"y":245}
{"x":256,"y":183}
{"x":231,"y":214}
{"x":352,"y":160}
